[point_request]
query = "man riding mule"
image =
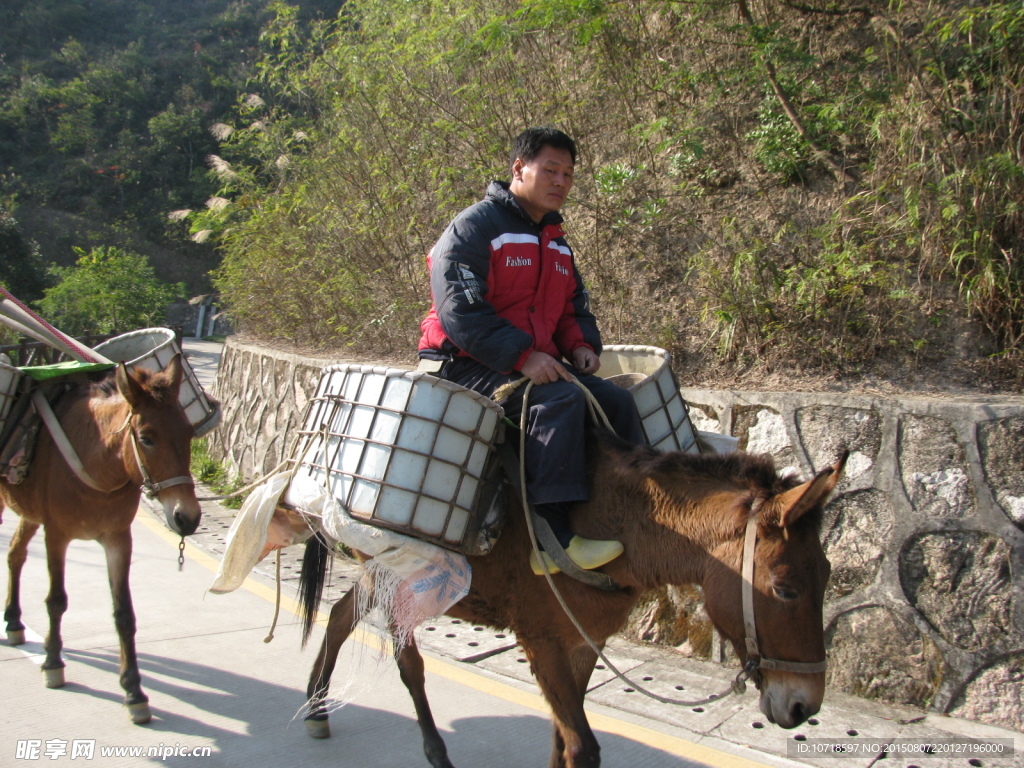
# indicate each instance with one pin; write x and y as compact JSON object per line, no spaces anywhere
{"x":728,"y":523}
{"x":509,"y":303}
{"x":510,"y":307}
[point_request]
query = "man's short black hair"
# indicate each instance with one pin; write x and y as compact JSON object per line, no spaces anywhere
{"x":529,"y":143}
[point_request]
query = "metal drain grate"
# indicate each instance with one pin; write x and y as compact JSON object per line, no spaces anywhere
{"x":513,"y":663}
{"x":669,"y":682}
{"x":462,"y":641}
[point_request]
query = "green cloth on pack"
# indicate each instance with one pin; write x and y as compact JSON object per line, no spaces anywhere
{"x":55,"y":371}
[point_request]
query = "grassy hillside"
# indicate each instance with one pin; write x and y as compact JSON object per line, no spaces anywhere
{"x":766,"y":188}
{"x":105,"y":110}
{"x":772,"y":187}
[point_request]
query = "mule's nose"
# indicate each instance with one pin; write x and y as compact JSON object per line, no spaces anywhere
{"x":798,"y":713}
{"x":789,"y":712}
{"x":185,"y":524}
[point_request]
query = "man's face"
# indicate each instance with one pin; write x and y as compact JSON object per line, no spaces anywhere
{"x":542,"y":184}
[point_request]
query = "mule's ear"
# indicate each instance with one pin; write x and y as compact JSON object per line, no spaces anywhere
{"x":129,"y":388}
{"x":175,"y":371}
{"x":794,"y":503}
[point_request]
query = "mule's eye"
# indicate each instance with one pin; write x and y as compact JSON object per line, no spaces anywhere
{"x":784,"y":593}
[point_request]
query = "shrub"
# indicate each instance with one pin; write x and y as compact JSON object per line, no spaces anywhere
{"x":108,"y":290}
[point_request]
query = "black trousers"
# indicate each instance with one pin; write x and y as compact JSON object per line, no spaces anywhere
{"x":555,"y":458}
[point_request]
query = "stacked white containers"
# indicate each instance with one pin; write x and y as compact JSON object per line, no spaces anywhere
{"x":153,"y":348}
{"x":646,"y":372}
{"x":401,"y":449}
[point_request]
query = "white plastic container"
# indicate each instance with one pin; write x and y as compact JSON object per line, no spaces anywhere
{"x":402,"y":450}
{"x":153,"y":349}
{"x":646,"y":372}
{"x":10,"y":377}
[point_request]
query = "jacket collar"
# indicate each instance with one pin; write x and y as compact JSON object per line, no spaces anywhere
{"x":498,"y":192}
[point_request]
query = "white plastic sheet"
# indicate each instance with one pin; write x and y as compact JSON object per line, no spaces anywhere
{"x":247,"y":536}
{"x":408,"y":579}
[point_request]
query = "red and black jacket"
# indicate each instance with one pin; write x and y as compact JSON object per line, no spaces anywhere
{"x":504,"y":286}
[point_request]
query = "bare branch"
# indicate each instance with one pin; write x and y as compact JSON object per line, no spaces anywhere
{"x":862,"y":10}
{"x":839,"y":170}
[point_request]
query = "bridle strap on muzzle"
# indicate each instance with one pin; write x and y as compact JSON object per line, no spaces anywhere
{"x":151,"y":488}
{"x":755,"y":661}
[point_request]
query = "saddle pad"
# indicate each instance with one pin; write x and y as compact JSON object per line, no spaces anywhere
{"x":56,"y":370}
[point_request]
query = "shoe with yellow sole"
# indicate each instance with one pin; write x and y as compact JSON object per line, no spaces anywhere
{"x":586,"y":553}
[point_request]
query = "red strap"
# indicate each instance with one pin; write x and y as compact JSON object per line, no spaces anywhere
{"x":68,"y":342}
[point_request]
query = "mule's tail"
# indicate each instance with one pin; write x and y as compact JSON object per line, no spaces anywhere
{"x":311,"y":582}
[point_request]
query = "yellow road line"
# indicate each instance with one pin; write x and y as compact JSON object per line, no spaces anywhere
{"x":599,"y":722}
{"x":458,"y":674}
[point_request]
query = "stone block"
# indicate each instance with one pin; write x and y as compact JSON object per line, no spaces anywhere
{"x":960,"y":582}
{"x":826,"y":431}
{"x":993,"y":695}
{"x":875,"y":654}
{"x":705,"y":418}
{"x":763,"y":430}
{"x":857,"y":540}
{"x":934,"y":470}
{"x":1001,"y":444}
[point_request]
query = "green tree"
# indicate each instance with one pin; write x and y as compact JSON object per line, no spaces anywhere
{"x":108,"y":290}
{"x":21,"y":267}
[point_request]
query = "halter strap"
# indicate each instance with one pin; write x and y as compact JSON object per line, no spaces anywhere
{"x":151,"y":488}
{"x":749,"y":543}
{"x":755,"y":661}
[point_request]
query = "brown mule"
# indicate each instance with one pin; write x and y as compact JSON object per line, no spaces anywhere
{"x":127,"y":430}
{"x":683,"y":520}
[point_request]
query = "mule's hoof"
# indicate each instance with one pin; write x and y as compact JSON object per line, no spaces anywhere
{"x":318,"y":729}
{"x":16,"y":637}
{"x":139,"y":713}
{"x":54,"y":677}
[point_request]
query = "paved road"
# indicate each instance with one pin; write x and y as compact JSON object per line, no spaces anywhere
{"x":214,"y":684}
{"x":204,"y":357}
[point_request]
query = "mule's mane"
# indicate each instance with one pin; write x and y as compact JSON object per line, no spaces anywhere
{"x":81,"y":421}
{"x":88,"y":389}
{"x":157,"y":384}
{"x":105,"y":387}
{"x":754,"y":469}
{"x":755,"y":473}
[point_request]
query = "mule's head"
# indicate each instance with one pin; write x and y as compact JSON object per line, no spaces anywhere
{"x":790,"y":572}
{"x":163,"y":436}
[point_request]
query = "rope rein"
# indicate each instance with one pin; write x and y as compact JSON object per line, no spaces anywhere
{"x":737,"y":686}
{"x":277,"y":601}
{"x":256,"y":483}
{"x":252,"y":485}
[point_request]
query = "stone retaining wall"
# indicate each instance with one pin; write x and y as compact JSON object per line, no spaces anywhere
{"x":263,"y":393}
{"x":925,"y":534}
